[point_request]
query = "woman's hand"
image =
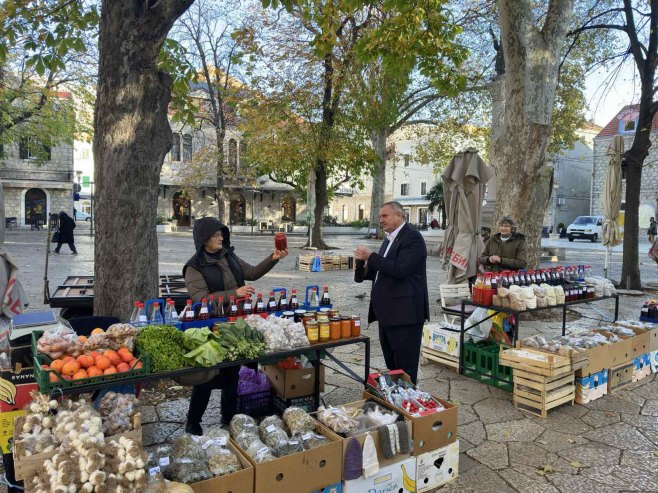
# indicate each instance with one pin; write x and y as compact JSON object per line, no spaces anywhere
{"x":246,"y":290}
{"x":279,"y":254}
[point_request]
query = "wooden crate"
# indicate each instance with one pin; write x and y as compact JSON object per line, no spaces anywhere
{"x":537,"y":394}
{"x":533,"y":361}
{"x":440,"y":357}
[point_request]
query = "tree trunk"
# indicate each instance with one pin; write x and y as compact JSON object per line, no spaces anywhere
{"x":520,"y":138}
{"x":378,"y":139}
{"x":221,"y":204}
{"x":131,"y":138}
{"x":317,"y":240}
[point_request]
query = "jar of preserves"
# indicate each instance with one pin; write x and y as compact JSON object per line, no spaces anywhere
{"x":326,"y":310}
{"x":356,"y":326}
{"x":334,"y":312}
{"x":307,"y":317}
{"x":325,"y":332}
{"x":345,"y":327}
{"x":299,"y":315}
{"x":335,"y":328}
{"x":313,"y":331}
{"x":288,"y":314}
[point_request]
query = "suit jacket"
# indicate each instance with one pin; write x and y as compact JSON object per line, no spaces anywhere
{"x":399,"y":295}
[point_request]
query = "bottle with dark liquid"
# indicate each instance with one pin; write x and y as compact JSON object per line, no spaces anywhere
{"x":271,"y":303}
{"x":325,"y":300}
{"x":204,"y":314}
{"x":219,"y":310}
{"x":294,"y":302}
{"x":359,"y":270}
{"x":260,"y":306}
{"x":232,"y":309}
{"x":247,"y":307}
{"x":212,"y":306}
{"x":283,"y":302}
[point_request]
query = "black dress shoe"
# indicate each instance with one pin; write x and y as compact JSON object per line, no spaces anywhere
{"x":193,"y":428}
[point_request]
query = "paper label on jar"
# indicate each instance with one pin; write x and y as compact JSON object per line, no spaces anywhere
{"x":163,"y":461}
{"x":270,"y":429}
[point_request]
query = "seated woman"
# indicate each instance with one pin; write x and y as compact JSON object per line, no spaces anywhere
{"x":216,"y":269}
{"x":505,"y":250}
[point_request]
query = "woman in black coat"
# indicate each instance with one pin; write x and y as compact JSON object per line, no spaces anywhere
{"x":66,"y":227}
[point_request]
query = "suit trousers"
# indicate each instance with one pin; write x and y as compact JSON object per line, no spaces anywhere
{"x":401,"y":347}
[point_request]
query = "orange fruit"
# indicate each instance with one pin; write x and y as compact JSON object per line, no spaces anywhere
{"x":103,"y":363}
{"x":67,"y":377}
{"x":110,"y":371}
{"x":85,"y":361}
{"x":123,"y":367}
{"x":82,"y":339}
{"x":45,"y":367}
{"x":114,"y":358}
{"x":70,"y":368}
{"x":53,"y":377}
{"x":67,"y":358}
{"x":97,"y":330}
{"x":139,"y":365}
{"x":80,"y":374}
{"x":94,"y":371}
{"x":94,"y":354}
{"x":125,"y":355}
{"x":56,"y":365}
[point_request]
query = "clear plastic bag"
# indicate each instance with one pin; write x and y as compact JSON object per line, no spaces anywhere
{"x":188,"y":471}
{"x":298,"y":420}
{"x":189,"y":447}
{"x":241,"y":423}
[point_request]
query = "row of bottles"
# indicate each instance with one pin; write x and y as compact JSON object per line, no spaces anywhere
{"x":649,"y":309}
{"x":556,"y":276}
{"x":141,"y":317}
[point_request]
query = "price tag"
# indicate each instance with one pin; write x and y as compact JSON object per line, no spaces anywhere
{"x":270,"y":429}
{"x":222,"y":441}
{"x":306,"y":436}
{"x":163,"y":461}
{"x":154,"y":470}
{"x":294,"y":442}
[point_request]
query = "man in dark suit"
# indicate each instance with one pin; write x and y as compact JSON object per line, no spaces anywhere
{"x":399,"y":300}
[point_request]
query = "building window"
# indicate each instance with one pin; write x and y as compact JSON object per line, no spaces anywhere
{"x":85,"y":154}
{"x":407,"y":160}
{"x":422,"y":216}
{"x":362,"y":212}
{"x":345,"y":214}
{"x":407,"y":211}
{"x":28,"y":149}
{"x":423,"y":188}
{"x":404,"y":189}
{"x":627,"y":125}
{"x":288,"y":209}
{"x":187,"y":147}
{"x":174,"y":154}
{"x":233,"y":154}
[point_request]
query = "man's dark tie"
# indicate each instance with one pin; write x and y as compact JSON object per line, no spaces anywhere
{"x":382,"y":249}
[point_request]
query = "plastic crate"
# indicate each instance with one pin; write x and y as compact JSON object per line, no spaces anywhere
{"x":256,"y":404}
{"x":43,"y":376}
{"x":306,"y":402}
{"x":481,"y":362}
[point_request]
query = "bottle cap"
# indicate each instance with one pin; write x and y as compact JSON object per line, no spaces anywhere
{"x":204,"y":300}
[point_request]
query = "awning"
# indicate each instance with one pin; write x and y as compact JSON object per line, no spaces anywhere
{"x":418,"y":201}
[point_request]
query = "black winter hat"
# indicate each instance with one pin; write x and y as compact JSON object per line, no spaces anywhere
{"x":205,"y":227}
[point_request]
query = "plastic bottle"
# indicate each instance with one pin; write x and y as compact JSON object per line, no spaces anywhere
{"x":271,"y":303}
{"x":172,"y":314}
{"x":314,"y":300}
{"x":142,"y":319}
{"x":204,"y":313}
{"x":156,"y":318}
{"x":133,"y":316}
{"x":219,"y":311}
{"x":212,"y":306}
{"x":232,"y":309}
{"x":283,"y":302}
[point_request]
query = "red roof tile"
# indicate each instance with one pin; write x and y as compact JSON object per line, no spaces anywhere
{"x":612,"y":128}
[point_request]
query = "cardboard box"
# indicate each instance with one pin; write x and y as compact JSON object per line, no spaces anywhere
{"x":332,"y":488}
{"x":653,"y":361}
{"x":15,"y":388}
{"x":591,"y":387}
{"x":620,"y":376}
{"x":399,"y":477}
{"x":598,"y":360}
{"x":237,"y":482}
{"x":314,"y":468}
{"x":641,"y":367}
{"x":437,"y":467}
{"x":653,"y":339}
{"x":361,"y":438}
{"x":293,"y":383}
{"x":438,"y":338}
{"x":7,"y":430}
{"x":429,"y":432}
{"x":619,"y":352}
{"x":641,"y":342}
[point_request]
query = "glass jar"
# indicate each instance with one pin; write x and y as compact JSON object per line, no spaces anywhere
{"x":345,"y":327}
{"x":299,"y":315}
{"x":324,"y":329}
{"x":313,"y":331}
{"x":307,"y":317}
{"x":356,"y":326}
{"x":288,"y":314}
{"x":334,"y":312}
{"x":334,"y":324}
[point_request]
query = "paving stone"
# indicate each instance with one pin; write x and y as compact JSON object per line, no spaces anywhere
{"x":592,"y":454}
{"x":466,"y":463}
{"x":496,"y":411}
{"x":173,"y":411}
{"x":622,"y":477}
{"x":650,"y":408}
{"x":465,"y":415}
{"x":622,"y":436}
{"x":577,"y":411}
{"x":524,"y":454}
{"x":597,"y":419}
{"x":644,"y":422}
{"x":630,"y":396}
{"x":149,"y":414}
{"x":156,"y":433}
{"x":468,"y":391}
{"x":649,"y":390}
{"x":554,"y":441}
{"x":529,"y":471}
{"x":558,"y":420}
{"x":568,"y":483}
{"x":464,"y":445}
{"x":491,"y":454}
{"x":479,"y":479}
{"x":526,"y":484}
{"x":179,"y":431}
{"x":651,"y":434}
{"x":514,"y":431}
{"x":614,"y":403}
{"x":473,"y":432}
{"x":343,"y":395}
{"x":642,"y":459}
{"x":436,"y":388}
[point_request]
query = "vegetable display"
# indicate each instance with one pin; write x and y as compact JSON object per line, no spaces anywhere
{"x":164,"y":344}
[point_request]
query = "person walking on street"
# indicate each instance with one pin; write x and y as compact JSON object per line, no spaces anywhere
{"x":216,"y":269}
{"x":66,"y":227}
{"x":399,"y":299}
{"x":504,"y":250}
{"x":652,"y":231}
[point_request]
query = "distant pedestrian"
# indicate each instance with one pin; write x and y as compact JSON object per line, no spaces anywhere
{"x":75,"y":214}
{"x":434,"y":224}
{"x":652,"y":231}
{"x":66,"y":227}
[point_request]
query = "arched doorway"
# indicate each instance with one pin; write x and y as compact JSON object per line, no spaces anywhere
{"x":237,"y":209}
{"x":288,"y":209}
{"x":35,"y":206}
{"x":182,"y":209}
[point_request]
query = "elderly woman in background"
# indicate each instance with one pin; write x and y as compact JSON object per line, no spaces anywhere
{"x":506,"y":249}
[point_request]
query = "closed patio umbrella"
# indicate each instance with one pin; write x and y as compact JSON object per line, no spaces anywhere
{"x":611,"y":236}
{"x":464,"y":181}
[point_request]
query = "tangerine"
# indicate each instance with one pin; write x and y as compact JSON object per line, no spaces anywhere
{"x":70,"y":368}
{"x":67,"y":358}
{"x":103,"y":363}
{"x":56,"y":365}
{"x":110,"y":371}
{"x":67,"y":377}
{"x":94,"y":371}
{"x":80,"y":374}
{"x":85,"y":361}
{"x":53,"y":377}
{"x":125,"y":354}
{"x":138,"y":366}
{"x":97,"y":330}
{"x":123,"y":367}
{"x":112,"y":355}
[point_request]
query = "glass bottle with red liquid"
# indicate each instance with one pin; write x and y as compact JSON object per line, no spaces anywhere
{"x":280,"y":241}
{"x":271,"y":304}
{"x":204,"y":313}
{"x":188,"y":312}
{"x":232,"y":309}
{"x":219,"y":310}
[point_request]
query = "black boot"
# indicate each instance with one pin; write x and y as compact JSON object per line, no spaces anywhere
{"x":193,"y":428}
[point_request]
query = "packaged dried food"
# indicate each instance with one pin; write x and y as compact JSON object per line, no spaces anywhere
{"x":298,"y":420}
{"x":216,"y":431}
{"x":188,"y":471}
{"x":241,"y":423}
{"x":290,"y":446}
{"x":222,"y":462}
{"x":188,"y":446}
{"x":311,"y":440}
{"x":258,"y":451}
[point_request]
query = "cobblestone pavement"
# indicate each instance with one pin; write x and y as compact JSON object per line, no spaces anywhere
{"x":609,"y":445}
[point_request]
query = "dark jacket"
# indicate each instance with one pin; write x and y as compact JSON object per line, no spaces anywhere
{"x":512,"y":253}
{"x":653,"y":230}
{"x":221,"y":273}
{"x":66,"y":227}
{"x":399,"y":295}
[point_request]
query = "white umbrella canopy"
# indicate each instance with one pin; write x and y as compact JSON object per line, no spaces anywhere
{"x":611,"y":236}
{"x":464,"y":181}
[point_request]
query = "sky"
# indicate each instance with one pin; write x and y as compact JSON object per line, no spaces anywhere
{"x":608,"y":91}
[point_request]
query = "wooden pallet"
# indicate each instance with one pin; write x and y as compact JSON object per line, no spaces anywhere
{"x":439,"y":357}
{"x":537,"y":394}
{"x":533,"y":361}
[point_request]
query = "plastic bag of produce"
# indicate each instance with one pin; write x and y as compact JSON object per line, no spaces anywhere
{"x":241,"y":423}
{"x":252,"y":381}
{"x":189,"y":447}
{"x":188,"y":471}
{"x":298,"y":420}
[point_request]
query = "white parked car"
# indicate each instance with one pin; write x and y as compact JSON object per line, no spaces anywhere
{"x":82,"y":216}
{"x":585,"y":228}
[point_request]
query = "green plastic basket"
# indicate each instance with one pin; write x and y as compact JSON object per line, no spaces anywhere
{"x":42,"y":375}
{"x":481,"y":362}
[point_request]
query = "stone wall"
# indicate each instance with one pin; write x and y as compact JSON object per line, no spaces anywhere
{"x":649,"y":190}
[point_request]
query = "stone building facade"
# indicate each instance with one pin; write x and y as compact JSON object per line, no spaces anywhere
{"x":624,"y":124}
{"x":34,"y":190}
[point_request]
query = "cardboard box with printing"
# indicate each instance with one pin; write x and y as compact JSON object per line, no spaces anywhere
{"x":399,"y":477}
{"x":591,"y":387}
{"x":641,"y":367}
{"x":437,"y":467}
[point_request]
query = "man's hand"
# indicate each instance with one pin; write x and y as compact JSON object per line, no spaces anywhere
{"x":362,"y":253}
{"x":279,"y":254}
{"x":247,"y":290}
{"x":494,"y":259}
